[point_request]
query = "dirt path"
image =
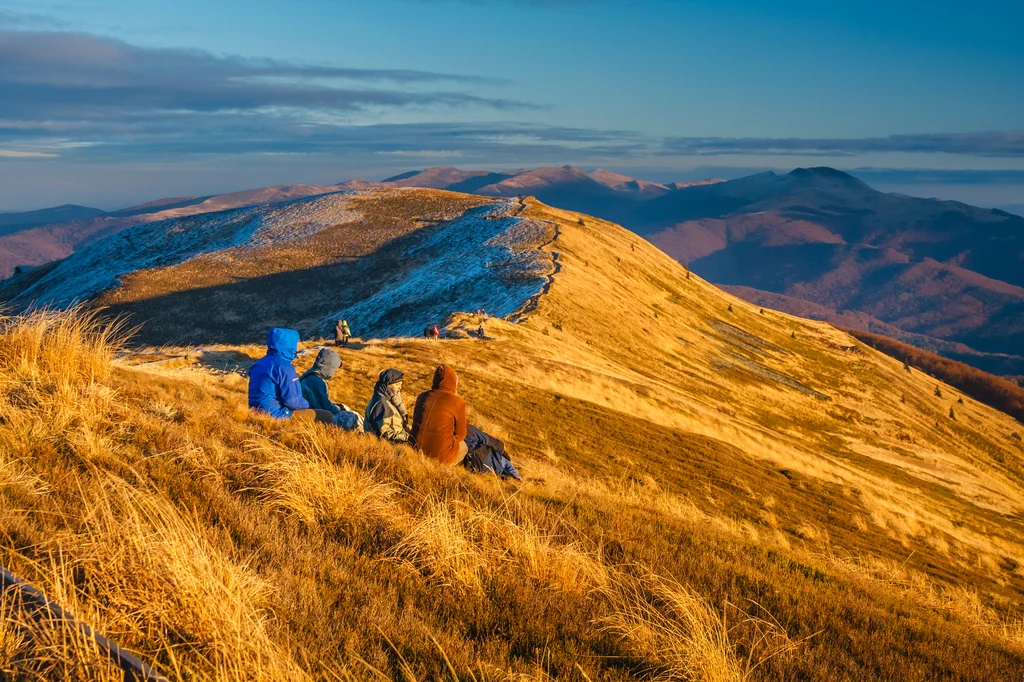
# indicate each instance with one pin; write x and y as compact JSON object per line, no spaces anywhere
{"x":534,"y":301}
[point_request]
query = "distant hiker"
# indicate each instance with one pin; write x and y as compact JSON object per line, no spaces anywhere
{"x":486,"y":454}
{"x":342,"y":333}
{"x":480,"y":332}
{"x":439,"y":419}
{"x":314,"y":390}
{"x":386,"y":415}
{"x":427,"y":331}
{"x":274,"y":385}
{"x":432,"y":332}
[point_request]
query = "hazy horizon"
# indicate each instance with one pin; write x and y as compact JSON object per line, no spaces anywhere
{"x":967,"y":187}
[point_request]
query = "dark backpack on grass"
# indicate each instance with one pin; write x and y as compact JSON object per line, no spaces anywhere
{"x":488,"y":457}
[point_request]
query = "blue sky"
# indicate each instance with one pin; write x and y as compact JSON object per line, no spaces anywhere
{"x":109,"y":103}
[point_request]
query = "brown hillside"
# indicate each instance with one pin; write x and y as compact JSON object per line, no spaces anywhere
{"x":712,"y":491}
{"x":1000,"y":364}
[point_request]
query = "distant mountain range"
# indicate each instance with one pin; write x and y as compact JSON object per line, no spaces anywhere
{"x":565,"y":187}
{"x":816,"y":242}
{"x":941,"y":269}
{"x":15,"y":222}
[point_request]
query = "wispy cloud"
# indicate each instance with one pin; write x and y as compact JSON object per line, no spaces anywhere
{"x":987,"y":144}
{"x":19,"y":154}
{"x":9,"y":18}
{"x":54,"y":83}
{"x":232,"y":134}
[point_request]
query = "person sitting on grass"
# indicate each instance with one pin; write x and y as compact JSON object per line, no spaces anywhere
{"x":274,"y":385}
{"x":314,"y":390}
{"x":440,"y":430}
{"x":386,"y":415}
{"x":439,"y":419}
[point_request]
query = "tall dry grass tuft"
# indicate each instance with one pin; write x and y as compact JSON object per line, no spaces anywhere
{"x":511,"y":537}
{"x":318,"y":492}
{"x":673,"y":628}
{"x":59,"y":348}
{"x":12,"y":638}
{"x":148,"y":576}
{"x":36,"y":647}
{"x":442,"y":544}
{"x":455,"y":544}
{"x":53,"y":365}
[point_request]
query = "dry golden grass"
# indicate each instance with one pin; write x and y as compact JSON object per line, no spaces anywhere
{"x":137,"y":490}
{"x":317,"y":491}
{"x":676,"y":629}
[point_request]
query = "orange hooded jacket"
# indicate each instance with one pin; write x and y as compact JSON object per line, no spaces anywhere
{"x":439,"y":418}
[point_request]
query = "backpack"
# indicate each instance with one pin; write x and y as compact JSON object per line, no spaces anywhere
{"x":349,"y":420}
{"x":486,"y":460}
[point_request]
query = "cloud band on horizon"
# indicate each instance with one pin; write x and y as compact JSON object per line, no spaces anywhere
{"x":988,"y":144}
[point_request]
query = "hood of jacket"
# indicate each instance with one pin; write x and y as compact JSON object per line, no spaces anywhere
{"x":326,"y":364}
{"x":384,"y":381}
{"x":445,"y":379}
{"x":283,"y":342}
{"x":390,"y":376}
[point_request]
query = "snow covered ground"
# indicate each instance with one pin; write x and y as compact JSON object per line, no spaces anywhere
{"x":98,"y":267}
{"x":487,"y":259}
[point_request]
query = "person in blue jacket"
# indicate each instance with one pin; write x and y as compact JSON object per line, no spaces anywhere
{"x":274,"y":385}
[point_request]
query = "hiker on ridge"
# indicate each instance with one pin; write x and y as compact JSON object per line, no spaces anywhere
{"x":386,"y":415}
{"x":342,"y":333}
{"x":439,"y":419}
{"x":274,"y":385}
{"x":314,"y":389}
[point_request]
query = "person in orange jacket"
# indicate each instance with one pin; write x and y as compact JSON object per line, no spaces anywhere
{"x":439,"y":419}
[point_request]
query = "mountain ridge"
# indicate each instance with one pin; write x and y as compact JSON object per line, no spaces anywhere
{"x":816,"y":234}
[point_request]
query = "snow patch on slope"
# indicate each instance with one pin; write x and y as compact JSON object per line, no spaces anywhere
{"x":95,"y":269}
{"x":486,"y":259}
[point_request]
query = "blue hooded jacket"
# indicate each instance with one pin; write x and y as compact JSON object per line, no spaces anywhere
{"x":273,"y":384}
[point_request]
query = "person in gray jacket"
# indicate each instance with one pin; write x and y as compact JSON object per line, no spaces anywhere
{"x":386,"y":415}
{"x":314,"y":390}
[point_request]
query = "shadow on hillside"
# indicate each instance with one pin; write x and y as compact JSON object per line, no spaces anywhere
{"x":241,"y":311}
{"x":225,"y":361}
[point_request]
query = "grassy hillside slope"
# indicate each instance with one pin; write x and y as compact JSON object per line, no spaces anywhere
{"x":1002,"y":394}
{"x":713,"y":492}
